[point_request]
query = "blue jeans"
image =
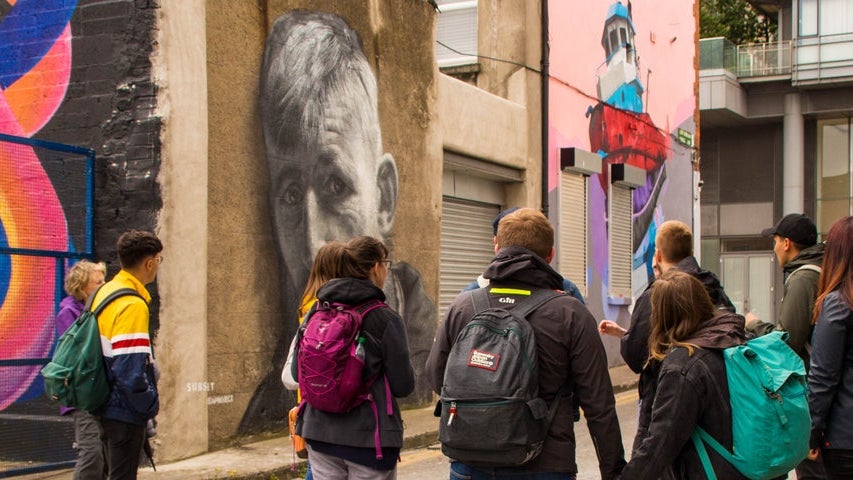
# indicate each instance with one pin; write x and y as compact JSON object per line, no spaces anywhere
{"x":460,"y":471}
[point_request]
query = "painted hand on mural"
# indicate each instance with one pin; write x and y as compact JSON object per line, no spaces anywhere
{"x":329,"y":178}
{"x":33,"y":80}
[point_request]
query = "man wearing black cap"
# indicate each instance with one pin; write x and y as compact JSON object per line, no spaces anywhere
{"x":800,"y":256}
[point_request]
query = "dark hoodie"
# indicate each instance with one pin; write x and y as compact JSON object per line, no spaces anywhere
{"x":570,"y":353}
{"x":635,"y":343}
{"x":692,"y":390}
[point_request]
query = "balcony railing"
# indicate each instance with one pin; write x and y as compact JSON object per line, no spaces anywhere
{"x":764,"y":59}
{"x":750,"y":60}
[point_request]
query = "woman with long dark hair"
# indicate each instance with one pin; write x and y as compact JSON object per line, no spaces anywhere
{"x":688,"y":335}
{"x":831,"y":372}
{"x":344,"y":445}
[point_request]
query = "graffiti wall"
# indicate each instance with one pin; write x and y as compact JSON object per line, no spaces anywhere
{"x":33,"y":83}
{"x":622,"y":86}
{"x":74,"y":80}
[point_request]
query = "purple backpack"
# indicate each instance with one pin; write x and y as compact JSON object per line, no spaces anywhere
{"x":330,"y":359}
{"x":330,"y":362}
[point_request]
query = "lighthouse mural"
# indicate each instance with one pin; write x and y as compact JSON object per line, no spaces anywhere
{"x":622,"y":132}
{"x":622,"y":82}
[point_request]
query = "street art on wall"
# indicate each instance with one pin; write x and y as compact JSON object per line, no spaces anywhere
{"x":329,"y":176}
{"x":34,"y":73}
{"x":622,"y":83}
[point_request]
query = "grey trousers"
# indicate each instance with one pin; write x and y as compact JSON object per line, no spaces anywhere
{"x":88,"y":440}
{"x":329,"y":467}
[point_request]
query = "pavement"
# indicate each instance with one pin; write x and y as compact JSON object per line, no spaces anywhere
{"x":273,"y":459}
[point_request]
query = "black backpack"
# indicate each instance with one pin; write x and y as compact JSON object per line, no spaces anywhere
{"x":491,"y":413}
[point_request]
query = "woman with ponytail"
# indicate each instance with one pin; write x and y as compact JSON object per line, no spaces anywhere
{"x":343,"y":445}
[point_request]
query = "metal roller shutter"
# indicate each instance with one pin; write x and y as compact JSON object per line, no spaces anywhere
{"x":620,"y":230}
{"x":573,"y":252}
{"x":466,"y":245}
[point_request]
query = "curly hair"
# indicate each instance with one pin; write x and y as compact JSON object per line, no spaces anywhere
{"x":79,"y":275}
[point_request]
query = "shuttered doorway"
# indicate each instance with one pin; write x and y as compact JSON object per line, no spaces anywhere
{"x":466,"y":245}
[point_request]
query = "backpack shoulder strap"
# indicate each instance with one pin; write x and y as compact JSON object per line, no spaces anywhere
{"x":122,"y":292}
{"x":480,"y":298}
{"x":536,"y":299}
{"x":808,"y":266}
{"x":369,"y":306}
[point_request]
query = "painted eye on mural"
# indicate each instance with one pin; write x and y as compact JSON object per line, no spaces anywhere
{"x":292,"y":194}
{"x":335,"y":186}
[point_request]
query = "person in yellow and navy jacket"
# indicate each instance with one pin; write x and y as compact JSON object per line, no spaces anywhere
{"x":124,"y":328}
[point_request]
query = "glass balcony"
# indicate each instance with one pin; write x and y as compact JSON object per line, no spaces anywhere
{"x":764,"y":59}
{"x":745,"y":61}
{"x":717,"y":53}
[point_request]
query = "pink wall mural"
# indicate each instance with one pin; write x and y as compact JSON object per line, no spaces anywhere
{"x":622,"y":83}
{"x":33,"y":82}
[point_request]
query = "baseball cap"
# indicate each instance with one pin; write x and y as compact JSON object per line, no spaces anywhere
{"x":500,"y":216}
{"x":795,"y":226}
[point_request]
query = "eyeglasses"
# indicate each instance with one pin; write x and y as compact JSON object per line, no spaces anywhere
{"x":159,"y":258}
{"x":387,"y":262}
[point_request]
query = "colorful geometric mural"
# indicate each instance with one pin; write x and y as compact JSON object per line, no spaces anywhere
{"x":622,"y":82}
{"x":33,"y":83}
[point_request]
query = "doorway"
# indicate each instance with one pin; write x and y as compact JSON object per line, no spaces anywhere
{"x":749,"y":282}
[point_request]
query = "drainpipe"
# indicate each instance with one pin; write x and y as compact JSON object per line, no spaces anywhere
{"x":545,"y":75}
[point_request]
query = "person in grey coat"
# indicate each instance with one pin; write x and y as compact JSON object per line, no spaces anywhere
{"x":831,"y":372}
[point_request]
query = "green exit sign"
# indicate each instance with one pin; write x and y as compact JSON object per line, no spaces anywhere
{"x":685,"y":137}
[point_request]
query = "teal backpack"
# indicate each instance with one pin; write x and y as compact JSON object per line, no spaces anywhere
{"x":770,"y":411}
{"x":76,"y":376}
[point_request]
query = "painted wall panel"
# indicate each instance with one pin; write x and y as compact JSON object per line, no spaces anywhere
{"x":622,"y":84}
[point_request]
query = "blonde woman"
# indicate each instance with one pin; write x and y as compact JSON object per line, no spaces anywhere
{"x":81,"y":281}
{"x":327,"y":264}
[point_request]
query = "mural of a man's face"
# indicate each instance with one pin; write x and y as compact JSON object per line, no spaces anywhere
{"x":328,"y":177}
{"x":333,"y":189}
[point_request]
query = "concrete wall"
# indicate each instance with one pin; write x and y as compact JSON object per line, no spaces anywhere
{"x":184,"y":277}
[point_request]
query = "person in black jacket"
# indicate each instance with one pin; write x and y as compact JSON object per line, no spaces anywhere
{"x":687,"y":337}
{"x":673,"y":251}
{"x":570,"y":353}
{"x":343,"y":445}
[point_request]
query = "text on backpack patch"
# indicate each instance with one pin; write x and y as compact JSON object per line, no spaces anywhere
{"x":484,"y":360}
